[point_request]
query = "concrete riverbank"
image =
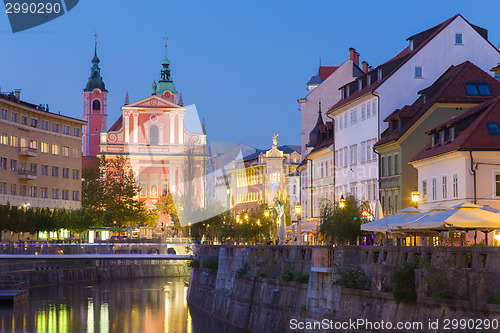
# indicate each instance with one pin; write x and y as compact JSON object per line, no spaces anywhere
{"x":256,"y":288}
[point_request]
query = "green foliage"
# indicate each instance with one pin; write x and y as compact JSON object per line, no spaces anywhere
{"x":287,"y":275}
{"x":342,"y":225}
{"x":295,"y":276}
{"x":244,"y":269}
{"x":496,"y":299}
{"x":303,"y":308}
{"x":109,"y":195}
{"x":211,"y":264}
{"x":195,"y":263}
{"x":353,"y":277}
{"x":403,"y":282}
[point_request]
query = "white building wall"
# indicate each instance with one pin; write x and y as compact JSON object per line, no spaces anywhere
{"x":329,"y":94}
{"x":459,"y":163}
{"x":435,"y":58}
{"x":358,"y":175}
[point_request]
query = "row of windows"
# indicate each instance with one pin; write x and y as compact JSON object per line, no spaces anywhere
{"x":45,"y":147}
{"x":33,"y":192}
{"x":443,"y":188}
{"x":33,"y":167}
{"x":348,"y":156}
{"x":44,"y":124}
{"x":366,"y":190}
{"x":389,"y":165}
{"x":368,"y":110}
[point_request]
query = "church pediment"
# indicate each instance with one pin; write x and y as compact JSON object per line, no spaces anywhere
{"x":153,"y":102}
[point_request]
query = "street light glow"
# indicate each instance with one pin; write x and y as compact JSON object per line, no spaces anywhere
{"x":342,"y":202}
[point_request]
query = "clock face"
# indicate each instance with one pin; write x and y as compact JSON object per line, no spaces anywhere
{"x":96,"y":92}
{"x":167,"y":94}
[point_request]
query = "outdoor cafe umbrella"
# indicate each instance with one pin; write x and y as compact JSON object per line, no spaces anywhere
{"x":382,"y":225}
{"x":465,"y":216}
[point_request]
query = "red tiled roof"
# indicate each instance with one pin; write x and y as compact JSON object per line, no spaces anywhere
{"x":403,"y":57}
{"x":326,"y":71}
{"x":448,"y":88}
{"x":474,"y":137}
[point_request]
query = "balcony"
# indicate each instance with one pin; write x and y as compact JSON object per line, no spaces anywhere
{"x":26,"y":174}
{"x":27,"y":151}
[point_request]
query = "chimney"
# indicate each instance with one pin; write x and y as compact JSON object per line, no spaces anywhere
{"x":17,"y":94}
{"x":352,"y":52}
{"x":365,"y":66}
{"x":356,"y":58}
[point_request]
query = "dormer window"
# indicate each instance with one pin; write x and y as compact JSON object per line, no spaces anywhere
{"x":424,"y":99}
{"x":368,"y":80}
{"x":390,"y":127}
{"x":360,"y":84}
{"x":452,"y":133}
{"x":433,"y":140}
{"x":347,"y":93}
{"x":379,"y":75}
{"x":493,"y":128}
{"x":475,"y":88}
{"x":441,"y":137}
{"x":411,"y":45}
{"x":342,"y":92}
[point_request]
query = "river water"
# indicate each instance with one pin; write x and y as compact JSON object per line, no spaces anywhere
{"x":122,"y":306}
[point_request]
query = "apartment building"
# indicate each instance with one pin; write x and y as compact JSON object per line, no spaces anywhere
{"x":40,"y":155}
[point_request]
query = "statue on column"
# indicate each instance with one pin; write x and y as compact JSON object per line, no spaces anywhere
{"x":154,"y":88}
{"x":280,"y":210}
{"x":275,"y":141}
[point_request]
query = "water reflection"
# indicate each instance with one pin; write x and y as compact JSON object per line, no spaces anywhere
{"x":126,"y":306}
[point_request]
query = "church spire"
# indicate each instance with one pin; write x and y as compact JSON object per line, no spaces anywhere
{"x":95,"y":79}
{"x":165,"y":83}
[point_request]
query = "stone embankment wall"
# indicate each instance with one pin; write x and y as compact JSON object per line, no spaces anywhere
{"x":39,"y":273}
{"x":246,"y":288}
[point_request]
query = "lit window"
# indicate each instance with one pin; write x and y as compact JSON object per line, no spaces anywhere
{"x":4,"y":139}
{"x":44,"y":147}
{"x":418,"y":71}
{"x":493,"y":128}
{"x":33,"y":144}
{"x":55,"y":149}
{"x":65,"y":151}
{"x":13,"y":141}
{"x":458,"y":38}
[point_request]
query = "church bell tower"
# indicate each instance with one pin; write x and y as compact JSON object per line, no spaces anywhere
{"x":94,"y":108}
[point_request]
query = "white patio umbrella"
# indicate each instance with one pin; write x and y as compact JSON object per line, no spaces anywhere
{"x":379,"y":214}
{"x":383,"y":224}
{"x":465,"y":216}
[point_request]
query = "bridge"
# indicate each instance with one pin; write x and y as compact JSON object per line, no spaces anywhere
{"x":96,"y":251}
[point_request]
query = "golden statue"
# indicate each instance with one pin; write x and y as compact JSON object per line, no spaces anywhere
{"x":275,"y":142}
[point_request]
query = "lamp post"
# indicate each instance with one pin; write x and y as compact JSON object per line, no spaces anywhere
{"x":299,"y":230}
{"x":342,"y":202}
{"x":415,"y":196}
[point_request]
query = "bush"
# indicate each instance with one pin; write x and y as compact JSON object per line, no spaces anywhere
{"x":295,"y":276}
{"x":353,"y":277}
{"x":195,"y":263}
{"x":211,"y":264}
{"x":403,"y":283}
{"x":496,"y":299}
{"x":244,"y":269}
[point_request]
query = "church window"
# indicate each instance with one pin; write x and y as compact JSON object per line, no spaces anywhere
{"x":96,"y":105}
{"x":153,"y":135}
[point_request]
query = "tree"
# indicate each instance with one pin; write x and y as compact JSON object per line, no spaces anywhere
{"x":109,"y":195}
{"x":342,"y":225}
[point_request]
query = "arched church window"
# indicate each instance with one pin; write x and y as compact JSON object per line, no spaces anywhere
{"x":96,"y":105}
{"x":153,"y":135}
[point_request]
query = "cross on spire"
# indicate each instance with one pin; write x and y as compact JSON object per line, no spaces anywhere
{"x":165,"y":38}
{"x":95,"y":37}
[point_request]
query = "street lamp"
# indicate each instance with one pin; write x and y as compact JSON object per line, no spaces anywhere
{"x":266,"y":213}
{"x":342,"y":202}
{"x":246,"y":216}
{"x":415,"y":196}
{"x":299,"y":227}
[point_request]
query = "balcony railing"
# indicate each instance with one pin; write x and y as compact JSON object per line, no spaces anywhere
{"x":27,"y":151}
{"x":26,"y":174}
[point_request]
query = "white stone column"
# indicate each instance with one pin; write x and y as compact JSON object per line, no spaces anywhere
{"x":180,"y":125}
{"x":136,"y":127}
{"x":172,"y":128}
{"x":126,"y":120}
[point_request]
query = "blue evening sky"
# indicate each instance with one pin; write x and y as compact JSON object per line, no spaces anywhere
{"x":243,"y":63}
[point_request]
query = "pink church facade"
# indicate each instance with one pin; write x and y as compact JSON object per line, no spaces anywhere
{"x":152,"y":134}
